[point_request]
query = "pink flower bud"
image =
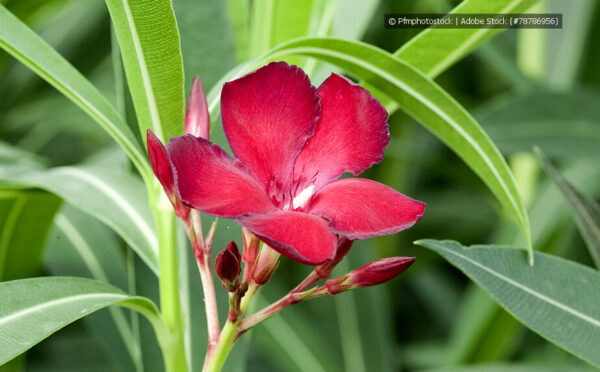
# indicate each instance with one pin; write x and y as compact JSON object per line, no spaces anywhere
{"x":374,"y":273}
{"x":266,"y":264}
{"x":161,"y":165}
{"x":234,"y":250}
{"x":227,"y":267}
{"x":324,"y":270}
{"x":251,"y":245}
{"x":197,"y":120}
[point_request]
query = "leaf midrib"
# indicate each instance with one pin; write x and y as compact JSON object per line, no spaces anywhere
{"x":150,"y":98}
{"x":57,"y":302}
{"x":540,"y":296}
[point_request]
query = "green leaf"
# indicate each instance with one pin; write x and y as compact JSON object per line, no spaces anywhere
{"x":480,"y":320}
{"x":23,"y":44}
{"x":25,"y":218}
{"x":239,"y":14}
{"x":353,"y":18}
{"x":275,"y":22}
{"x":292,"y":340}
{"x":516,"y":123}
{"x":433,"y":50}
{"x":149,"y":43}
{"x":35,"y":308}
{"x":206,"y":42}
{"x":523,"y":367}
{"x":363,"y":319}
{"x":426,"y":102}
{"x":82,"y":246}
{"x":552,"y":298}
{"x":586,"y":210}
{"x":104,"y":191}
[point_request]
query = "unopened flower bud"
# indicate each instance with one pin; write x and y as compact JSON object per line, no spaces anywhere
{"x":266,"y":264}
{"x":161,"y":165}
{"x":324,"y":270}
{"x":251,"y":245}
{"x":234,"y":250}
{"x":197,"y":120}
{"x":227,"y":267}
{"x":376,"y":272}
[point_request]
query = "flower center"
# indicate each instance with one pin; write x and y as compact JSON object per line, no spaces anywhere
{"x":300,"y":199}
{"x":303,"y":197}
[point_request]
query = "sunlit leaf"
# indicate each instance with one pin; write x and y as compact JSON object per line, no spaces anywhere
{"x":150,"y":47}
{"x":433,"y":50}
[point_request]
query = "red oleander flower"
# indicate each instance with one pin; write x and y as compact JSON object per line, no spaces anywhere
{"x":291,"y":143}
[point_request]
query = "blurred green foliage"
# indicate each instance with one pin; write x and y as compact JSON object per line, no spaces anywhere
{"x":432,"y":317}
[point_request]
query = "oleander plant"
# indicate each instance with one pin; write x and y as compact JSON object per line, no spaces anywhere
{"x":209,"y":185}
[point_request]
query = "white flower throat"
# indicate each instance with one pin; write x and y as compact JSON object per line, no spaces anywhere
{"x":301,"y":198}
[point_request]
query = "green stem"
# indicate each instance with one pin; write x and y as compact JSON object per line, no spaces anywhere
{"x":170,"y":301}
{"x":216,"y":359}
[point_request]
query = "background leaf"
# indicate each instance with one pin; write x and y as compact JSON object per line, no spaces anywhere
{"x":18,"y":40}
{"x":518,"y":122}
{"x":35,"y":308}
{"x":433,"y":50}
{"x":25,"y":219}
{"x":105,"y":191}
{"x":587,"y":211}
{"x":552,"y":297}
{"x":81,"y":246}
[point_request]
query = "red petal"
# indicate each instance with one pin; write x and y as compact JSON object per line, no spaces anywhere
{"x":267,"y":117}
{"x":300,"y":236}
{"x":213,"y":182}
{"x":197,"y":120}
{"x":361,"y":208}
{"x":159,"y":159}
{"x":350,"y":136}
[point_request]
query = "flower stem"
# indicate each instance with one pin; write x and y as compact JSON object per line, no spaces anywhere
{"x":210,"y":301}
{"x":287,"y":300}
{"x":216,"y":358}
{"x":202,"y":253}
{"x":310,"y":280}
{"x":170,"y":302}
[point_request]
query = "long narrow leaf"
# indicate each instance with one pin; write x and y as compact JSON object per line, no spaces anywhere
{"x":552,"y":298}
{"x":113,"y":196}
{"x":23,"y":44}
{"x":81,"y":246}
{"x":33,"y":309}
{"x":586,"y":210}
{"x":149,"y":43}
{"x":21,"y":212}
{"x":435,"y":49}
